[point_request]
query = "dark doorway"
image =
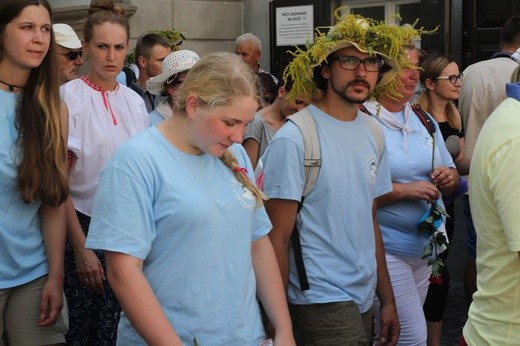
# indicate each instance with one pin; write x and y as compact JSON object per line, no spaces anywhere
{"x":481,"y":23}
{"x":469,"y":30}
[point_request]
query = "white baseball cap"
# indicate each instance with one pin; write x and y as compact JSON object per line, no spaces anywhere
{"x":66,"y":36}
{"x":176,"y":62}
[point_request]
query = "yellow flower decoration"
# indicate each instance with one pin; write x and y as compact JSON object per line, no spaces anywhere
{"x":367,"y":35}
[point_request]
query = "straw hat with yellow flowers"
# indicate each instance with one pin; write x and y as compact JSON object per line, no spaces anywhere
{"x":377,"y":38}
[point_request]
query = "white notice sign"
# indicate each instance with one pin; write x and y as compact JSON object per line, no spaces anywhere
{"x":294,"y":25}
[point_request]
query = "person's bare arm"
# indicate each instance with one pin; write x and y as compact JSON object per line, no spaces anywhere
{"x":417,"y":190}
{"x":390,"y":327}
{"x":282,"y":213}
{"x":252,"y":148}
{"x":89,"y":268}
{"x":463,"y":163}
{"x":138,"y":301}
{"x":270,"y":290}
{"x":53,"y":229}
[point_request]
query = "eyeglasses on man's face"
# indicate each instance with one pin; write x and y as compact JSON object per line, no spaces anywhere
{"x":348,"y":62}
{"x":73,"y":55}
{"x":452,"y":78}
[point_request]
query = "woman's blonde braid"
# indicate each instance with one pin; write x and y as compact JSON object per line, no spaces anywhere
{"x":230,"y":161}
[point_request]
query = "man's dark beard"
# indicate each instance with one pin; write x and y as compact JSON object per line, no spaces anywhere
{"x":349,"y":99}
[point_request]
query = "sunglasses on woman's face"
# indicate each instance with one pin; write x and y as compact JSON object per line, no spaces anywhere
{"x":73,"y":55}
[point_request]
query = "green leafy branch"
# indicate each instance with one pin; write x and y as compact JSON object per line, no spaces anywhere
{"x":428,"y":226}
{"x":174,"y":38}
{"x":437,"y":238}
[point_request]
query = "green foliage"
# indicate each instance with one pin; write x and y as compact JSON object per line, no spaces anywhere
{"x":436,"y":238}
{"x":173,"y":37}
{"x":366,"y":34}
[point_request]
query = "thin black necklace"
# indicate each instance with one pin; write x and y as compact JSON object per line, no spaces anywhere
{"x":12,"y":86}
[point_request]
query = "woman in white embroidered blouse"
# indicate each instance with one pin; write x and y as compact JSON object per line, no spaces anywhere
{"x":102,"y":115}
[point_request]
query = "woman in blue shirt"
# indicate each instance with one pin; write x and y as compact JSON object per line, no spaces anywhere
{"x":33,"y":178}
{"x":182,"y":224}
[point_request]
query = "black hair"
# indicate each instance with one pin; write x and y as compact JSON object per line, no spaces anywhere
{"x":510,"y":33}
{"x":267,"y":87}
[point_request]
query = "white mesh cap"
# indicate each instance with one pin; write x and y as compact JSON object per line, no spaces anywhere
{"x":176,"y":62}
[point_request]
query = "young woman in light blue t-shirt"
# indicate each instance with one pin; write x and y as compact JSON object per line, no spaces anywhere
{"x":33,"y":178}
{"x":182,"y":224}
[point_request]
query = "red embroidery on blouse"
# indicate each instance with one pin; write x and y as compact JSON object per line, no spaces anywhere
{"x":104,"y":94}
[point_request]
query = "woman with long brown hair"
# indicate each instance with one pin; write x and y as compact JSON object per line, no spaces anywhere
{"x":33,"y":180}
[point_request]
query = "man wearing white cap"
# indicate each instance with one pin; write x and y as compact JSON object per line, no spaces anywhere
{"x":69,"y":52}
{"x":174,"y":69}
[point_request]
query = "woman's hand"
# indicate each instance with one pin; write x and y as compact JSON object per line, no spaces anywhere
{"x":89,"y":268}
{"x":422,"y":190}
{"x":51,"y":302}
{"x":445,"y":178}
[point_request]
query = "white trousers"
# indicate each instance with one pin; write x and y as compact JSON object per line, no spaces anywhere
{"x":409,"y":277}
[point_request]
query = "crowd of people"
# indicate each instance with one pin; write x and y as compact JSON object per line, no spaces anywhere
{"x":205,"y":201}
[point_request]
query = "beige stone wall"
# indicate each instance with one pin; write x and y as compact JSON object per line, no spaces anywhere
{"x":209,"y":25}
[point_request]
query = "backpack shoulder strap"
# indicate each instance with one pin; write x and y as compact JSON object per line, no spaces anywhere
{"x":312,"y":163}
{"x":377,"y":132}
{"x":425,"y":119}
{"x":311,"y":142}
{"x":375,"y":128}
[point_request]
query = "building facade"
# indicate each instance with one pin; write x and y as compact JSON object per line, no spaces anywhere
{"x":209,"y":25}
{"x":467,"y":29}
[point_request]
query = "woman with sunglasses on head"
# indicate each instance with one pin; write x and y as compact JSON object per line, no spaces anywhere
{"x":102,"y":115}
{"x":33,"y":178}
{"x":442,"y":80}
{"x":174,"y":69}
{"x":183,"y":226}
{"x":421,"y":168}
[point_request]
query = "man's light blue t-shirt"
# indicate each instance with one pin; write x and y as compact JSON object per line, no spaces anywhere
{"x":335,"y":222}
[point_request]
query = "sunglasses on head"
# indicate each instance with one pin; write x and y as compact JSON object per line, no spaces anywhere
{"x":73,"y":55}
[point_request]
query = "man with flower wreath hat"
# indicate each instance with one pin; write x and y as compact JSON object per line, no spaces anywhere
{"x":341,"y":245}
